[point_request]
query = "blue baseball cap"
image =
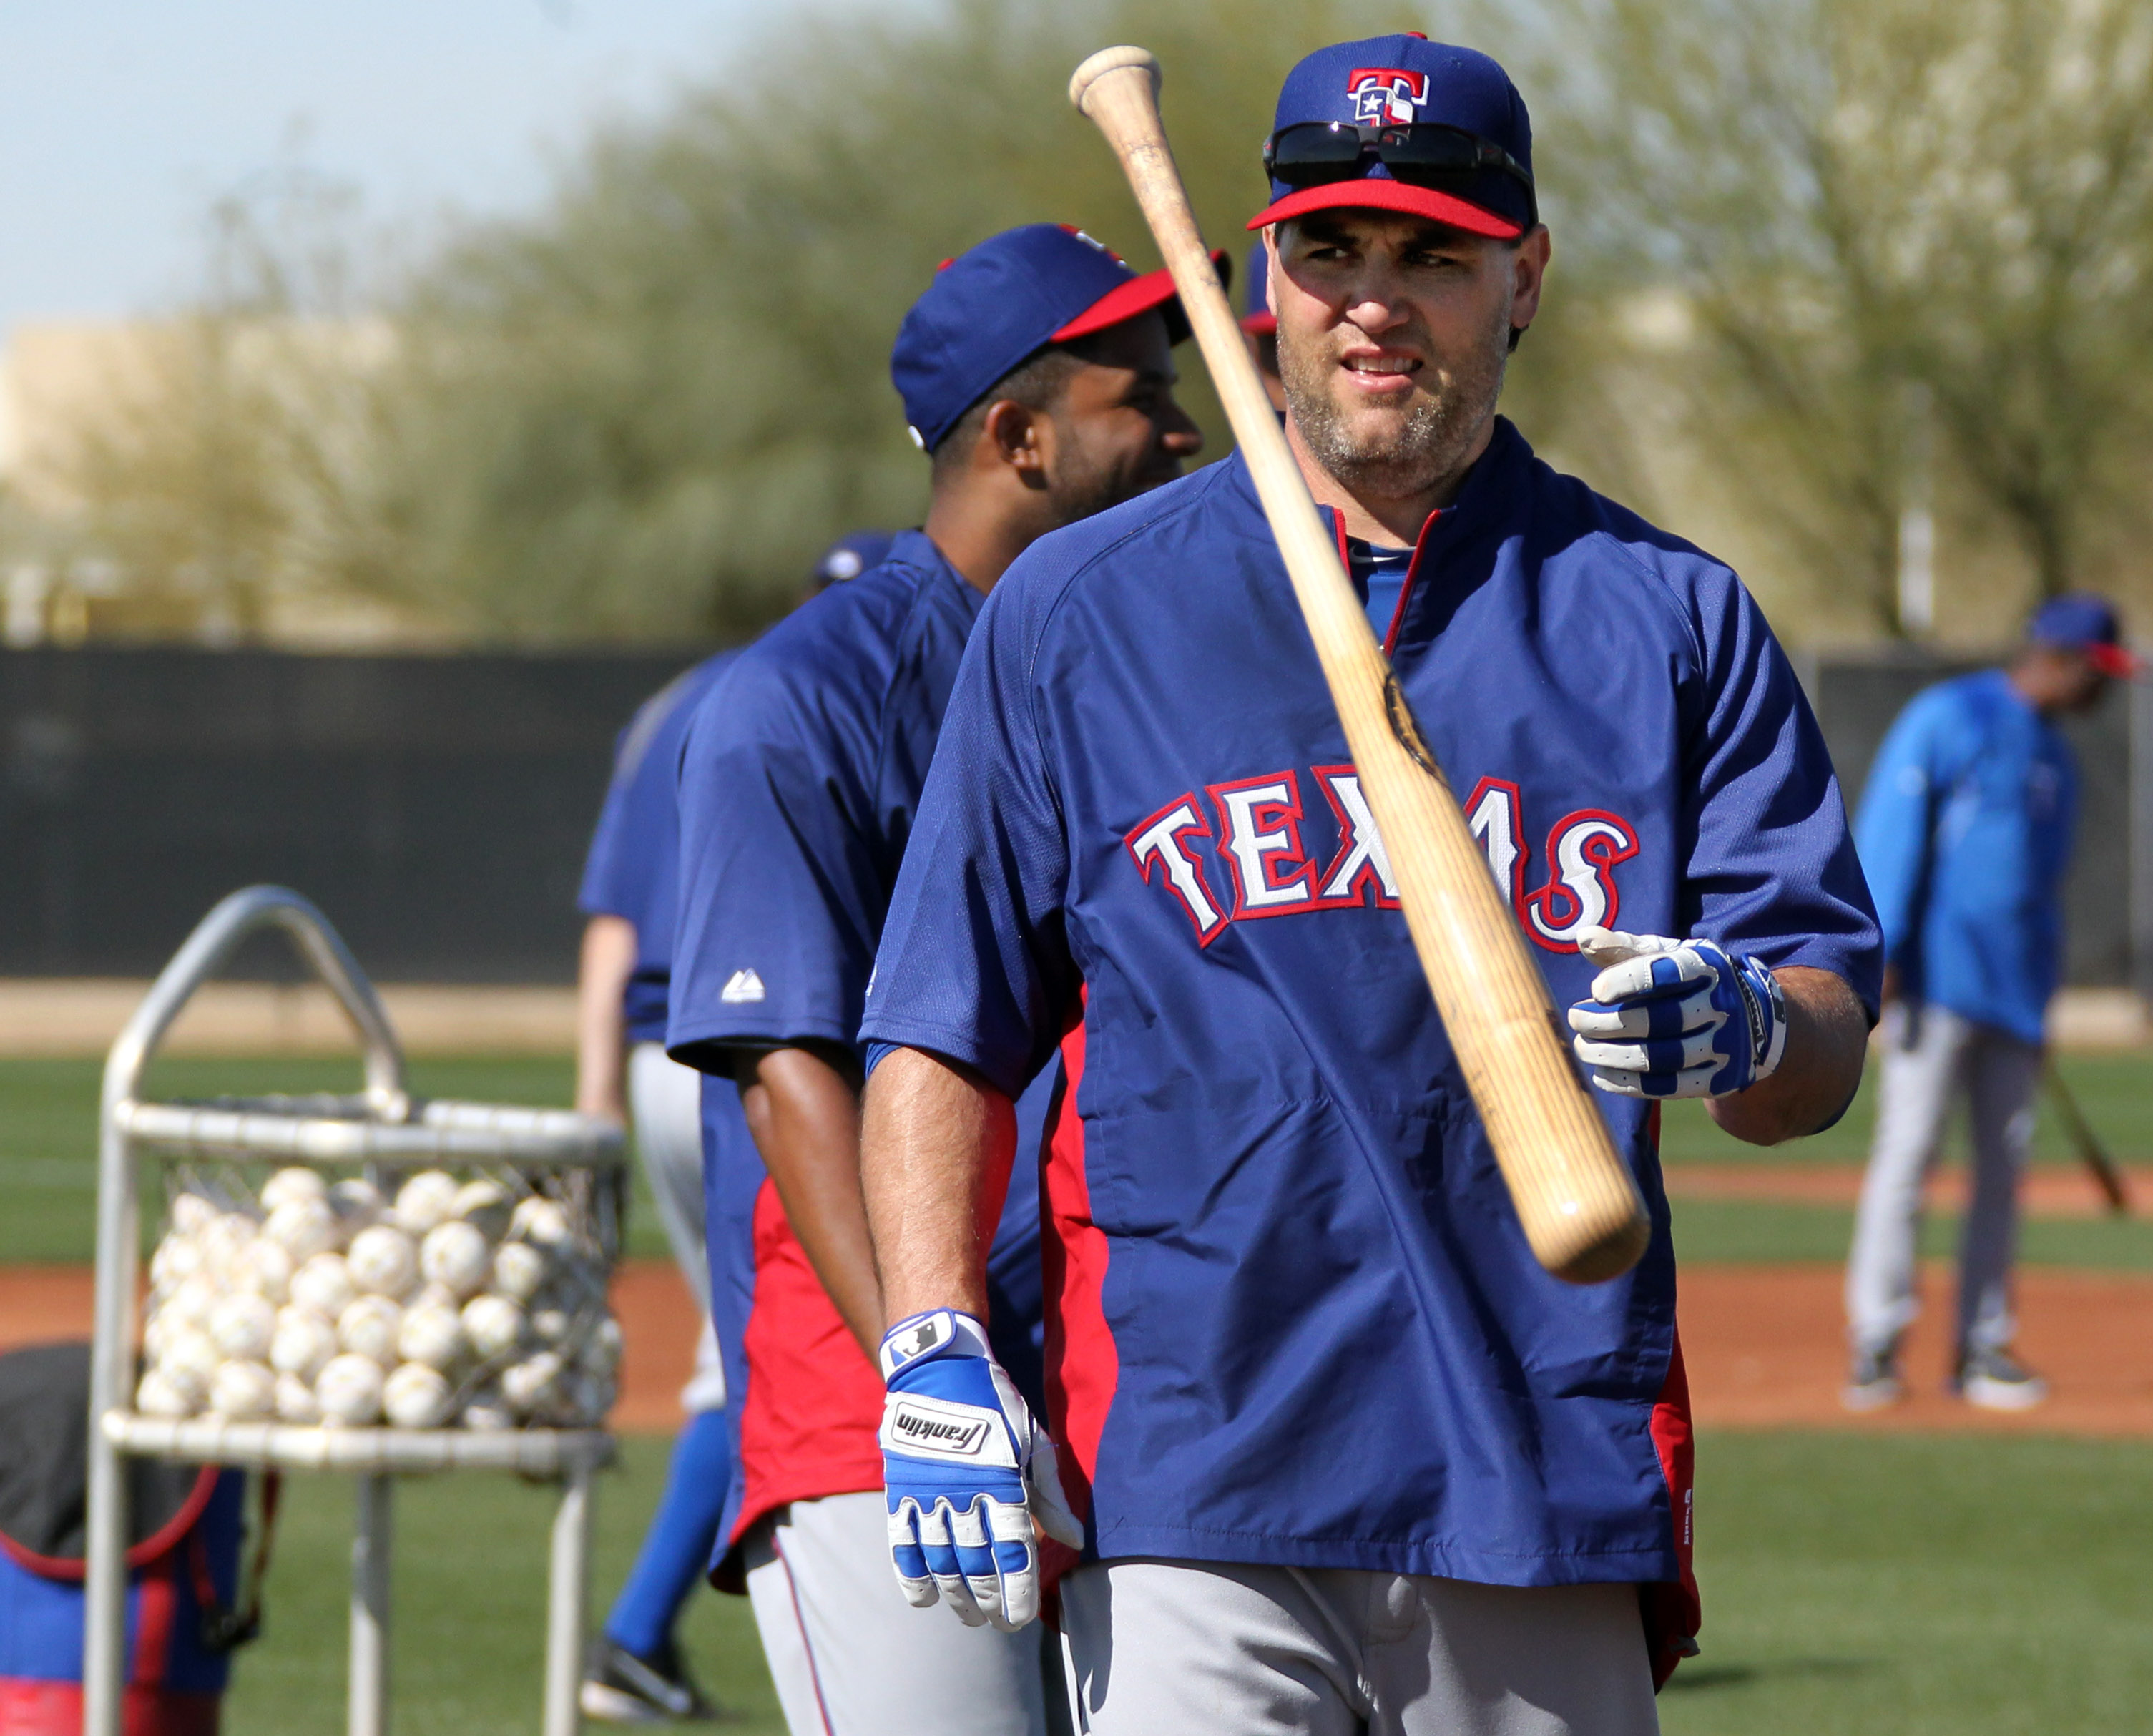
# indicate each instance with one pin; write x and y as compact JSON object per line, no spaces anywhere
{"x":2082,"y":622}
{"x":990,"y":309}
{"x":1259,"y":321}
{"x":849,"y":557}
{"x":1407,"y":81}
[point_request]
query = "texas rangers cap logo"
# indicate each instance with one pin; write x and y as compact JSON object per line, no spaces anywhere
{"x":1386,"y":95}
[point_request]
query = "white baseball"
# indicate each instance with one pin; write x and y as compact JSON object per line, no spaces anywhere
{"x":296,"y":1401}
{"x":157,"y":1333}
{"x":356,"y":1203}
{"x":485,"y":1206}
{"x":541,"y":1220}
{"x":487,"y":1413}
{"x":190,"y":1304}
{"x":518,"y":1270}
{"x":383,"y":1261}
{"x":294,"y":1183}
{"x":245,"y":1392}
{"x":223,"y":1242}
{"x":528,"y":1384}
{"x":193,"y":1352}
{"x":432,"y":1335}
{"x":549,"y":1326}
{"x":349,"y":1390}
{"x":265,"y":1267}
{"x":304,"y":1344}
{"x":493,"y":1324}
{"x":427,"y":1200}
{"x":455,"y":1256}
{"x":191,"y":1214}
{"x":178,"y":1258}
{"x":416,"y":1396}
{"x":305,"y":1227}
{"x":369,"y":1328}
{"x":323,"y":1284}
{"x":169,"y":1393}
{"x":243,"y":1324}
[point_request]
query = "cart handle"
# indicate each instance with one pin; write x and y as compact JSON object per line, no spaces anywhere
{"x":216,"y":938}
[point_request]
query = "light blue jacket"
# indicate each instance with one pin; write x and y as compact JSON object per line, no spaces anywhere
{"x":1965,"y":832}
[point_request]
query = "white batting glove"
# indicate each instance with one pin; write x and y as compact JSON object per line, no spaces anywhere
{"x":1676,"y":1018}
{"x":966,"y":1472}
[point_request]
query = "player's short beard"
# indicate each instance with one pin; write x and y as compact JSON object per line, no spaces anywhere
{"x":1399,"y":456}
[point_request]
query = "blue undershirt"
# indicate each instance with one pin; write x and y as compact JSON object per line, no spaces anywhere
{"x":1379,"y":575}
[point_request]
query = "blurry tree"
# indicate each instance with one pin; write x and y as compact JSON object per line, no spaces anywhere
{"x":645,"y":411}
{"x":1856,"y":197}
{"x":196,"y":474}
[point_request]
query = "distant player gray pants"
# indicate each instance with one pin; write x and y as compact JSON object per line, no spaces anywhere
{"x":1932,"y":1059}
{"x":1172,"y":1649}
{"x":851,"y":1657}
{"x":667,"y":1102}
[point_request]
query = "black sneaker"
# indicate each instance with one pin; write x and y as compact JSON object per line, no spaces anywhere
{"x":621,"y":1688}
{"x":1995,"y":1380}
{"x":1874,"y":1383}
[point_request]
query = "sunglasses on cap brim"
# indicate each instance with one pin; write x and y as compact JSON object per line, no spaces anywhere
{"x":1427,"y":154}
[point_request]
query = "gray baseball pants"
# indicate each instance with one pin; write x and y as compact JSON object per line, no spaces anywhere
{"x":1172,"y":1648}
{"x":666,"y":1100}
{"x":1933,"y":1058}
{"x":849,"y":1656}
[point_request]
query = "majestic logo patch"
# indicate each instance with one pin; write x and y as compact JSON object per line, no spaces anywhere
{"x":1386,"y":95}
{"x":945,"y":1434}
{"x":741,"y":985}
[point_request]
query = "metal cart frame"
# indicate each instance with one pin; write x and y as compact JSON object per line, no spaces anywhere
{"x":385,"y":1128}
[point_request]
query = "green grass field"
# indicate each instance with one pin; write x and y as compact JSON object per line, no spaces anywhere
{"x":1855,"y":1585}
{"x":470,"y":1606}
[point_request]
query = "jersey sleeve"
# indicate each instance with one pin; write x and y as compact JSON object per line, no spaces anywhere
{"x":606,"y":890}
{"x":780,"y":891}
{"x":975,"y":964}
{"x":1771,"y":865}
{"x":1895,"y":824}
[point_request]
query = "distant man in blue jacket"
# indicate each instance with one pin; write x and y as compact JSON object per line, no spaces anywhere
{"x":1965,"y":832}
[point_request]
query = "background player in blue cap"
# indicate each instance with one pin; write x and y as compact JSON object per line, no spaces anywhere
{"x":1260,"y":326}
{"x":1965,"y":832}
{"x":1037,"y":372}
{"x":1334,"y":1454}
{"x":635,"y":1671}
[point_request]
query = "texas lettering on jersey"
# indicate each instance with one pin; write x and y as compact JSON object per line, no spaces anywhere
{"x":1238,"y":852}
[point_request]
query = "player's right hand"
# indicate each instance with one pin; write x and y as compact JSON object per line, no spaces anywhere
{"x":965,"y":1470}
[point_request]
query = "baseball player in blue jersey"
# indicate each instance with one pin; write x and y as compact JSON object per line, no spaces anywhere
{"x":1965,"y":832}
{"x":1037,"y":372}
{"x":635,"y":1671}
{"x":1325,"y":1449}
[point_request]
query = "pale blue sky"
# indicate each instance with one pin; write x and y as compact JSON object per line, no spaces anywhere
{"x":122,"y":120}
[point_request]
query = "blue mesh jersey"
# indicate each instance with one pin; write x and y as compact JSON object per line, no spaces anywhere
{"x":800,"y":776}
{"x":1291,"y":1317}
{"x":631,"y":870}
{"x":1965,"y":830}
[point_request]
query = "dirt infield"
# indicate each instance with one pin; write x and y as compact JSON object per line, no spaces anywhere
{"x":1764,"y":1348}
{"x":2049,"y":1191}
{"x":1763,"y":1344}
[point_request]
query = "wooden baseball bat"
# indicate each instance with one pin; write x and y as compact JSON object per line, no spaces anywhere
{"x":2091,"y":1152}
{"x":1574,"y":1195}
